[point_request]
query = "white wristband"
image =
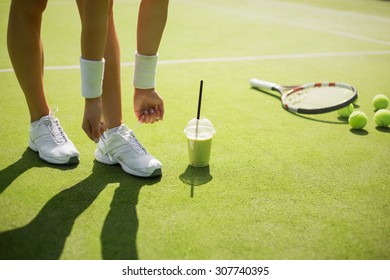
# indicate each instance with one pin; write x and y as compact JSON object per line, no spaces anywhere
{"x":92,"y":72}
{"x":145,"y":71}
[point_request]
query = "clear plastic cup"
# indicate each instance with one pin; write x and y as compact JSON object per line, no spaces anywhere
{"x":199,"y":133}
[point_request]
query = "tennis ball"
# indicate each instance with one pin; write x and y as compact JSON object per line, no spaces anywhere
{"x":357,"y":120}
{"x":380,"y":101}
{"x":382,"y":118}
{"x":346,"y":111}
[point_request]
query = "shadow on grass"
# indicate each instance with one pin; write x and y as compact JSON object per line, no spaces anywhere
{"x":383,"y":129}
{"x":44,"y":237}
{"x":28,"y":160}
{"x":196,"y":176}
{"x":311,"y":118}
{"x":360,"y":132}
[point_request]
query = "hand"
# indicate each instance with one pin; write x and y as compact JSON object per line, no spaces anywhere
{"x":92,"y":125}
{"x":148,"y":105}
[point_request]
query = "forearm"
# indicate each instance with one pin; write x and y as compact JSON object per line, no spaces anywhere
{"x":94,"y":18}
{"x":152,"y":18}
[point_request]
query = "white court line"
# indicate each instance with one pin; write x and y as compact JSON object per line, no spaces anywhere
{"x":331,"y":11}
{"x":341,"y":34}
{"x":234,"y":59}
{"x":285,"y":21}
{"x":274,"y":57}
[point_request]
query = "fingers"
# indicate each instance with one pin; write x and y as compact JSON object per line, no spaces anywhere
{"x":148,"y":105}
{"x":102,"y":128}
{"x":87,"y":129}
{"x":161,"y":111}
{"x":94,"y":131}
{"x":92,"y":125}
{"x":151,"y":116}
{"x":97,"y":130}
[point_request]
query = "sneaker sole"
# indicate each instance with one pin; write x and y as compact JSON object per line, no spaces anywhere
{"x":106,"y":160}
{"x":69,"y":161}
{"x":157,"y":172}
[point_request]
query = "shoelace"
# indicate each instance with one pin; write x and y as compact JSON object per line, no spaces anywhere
{"x":131,"y":139}
{"x":55,"y":128}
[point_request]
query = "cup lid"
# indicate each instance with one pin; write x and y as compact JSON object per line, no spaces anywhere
{"x":200,"y":128}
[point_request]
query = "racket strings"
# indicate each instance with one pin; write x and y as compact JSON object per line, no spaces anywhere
{"x":318,"y":97}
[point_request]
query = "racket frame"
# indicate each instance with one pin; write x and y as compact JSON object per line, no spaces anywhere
{"x":286,"y":91}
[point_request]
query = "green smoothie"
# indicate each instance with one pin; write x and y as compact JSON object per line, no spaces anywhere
{"x":199,"y":151}
{"x":199,"y":133}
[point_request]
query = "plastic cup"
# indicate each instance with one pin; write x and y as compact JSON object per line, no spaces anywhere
{"x":199,"y":133}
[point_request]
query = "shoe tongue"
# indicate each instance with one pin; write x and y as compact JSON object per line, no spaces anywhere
{"x":130,"y":137}
{"x":45,"y":119}
{"x":123,"y":129}
{"x":54,"y":127}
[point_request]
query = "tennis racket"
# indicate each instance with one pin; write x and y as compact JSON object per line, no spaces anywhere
{"x":314,"y":98}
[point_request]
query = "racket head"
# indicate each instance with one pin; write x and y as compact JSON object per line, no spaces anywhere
{"x":318,"y":98}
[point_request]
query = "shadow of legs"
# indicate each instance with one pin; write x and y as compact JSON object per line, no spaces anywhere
{"x":44,"y":237}
{"x":120,"y":228}
{"x":28,"y":160}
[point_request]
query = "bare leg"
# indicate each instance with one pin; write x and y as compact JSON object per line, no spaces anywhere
{"x":26,"y":52}
{"x":111,"y":97}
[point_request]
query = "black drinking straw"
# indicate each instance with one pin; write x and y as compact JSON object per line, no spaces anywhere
{"x":200,"y":99}
{"x":199,"y":105}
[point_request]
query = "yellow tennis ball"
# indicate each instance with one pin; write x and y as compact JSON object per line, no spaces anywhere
{"x":357,"y":120}
{"x":380,"y":101}
{"x":346,"y":111}
{"x":382,"y":118}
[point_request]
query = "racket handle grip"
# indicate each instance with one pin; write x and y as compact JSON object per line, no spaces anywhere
{"x":256,"y":83}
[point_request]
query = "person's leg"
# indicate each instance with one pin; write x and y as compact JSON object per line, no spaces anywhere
{"x":26,"y":52}
{"x":111,"y":97}
{"x":118,"y":145}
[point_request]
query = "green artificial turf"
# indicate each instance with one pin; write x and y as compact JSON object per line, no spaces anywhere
{"x":279,"y":185}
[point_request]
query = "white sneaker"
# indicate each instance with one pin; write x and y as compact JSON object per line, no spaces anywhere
{"x":120,"y":145}
{"x":50,"y":141}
